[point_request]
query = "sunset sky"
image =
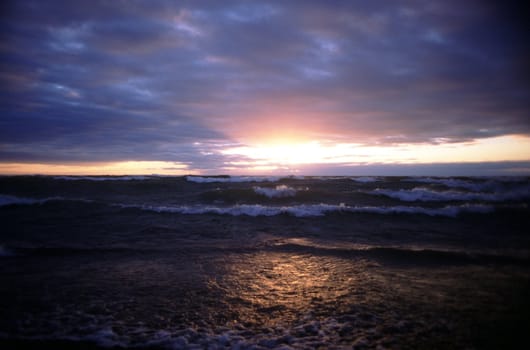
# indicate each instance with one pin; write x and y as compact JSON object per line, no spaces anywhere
{"x":265,"y":87}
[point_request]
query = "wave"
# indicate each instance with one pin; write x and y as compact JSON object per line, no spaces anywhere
{"x":426,"y":195}
{"x":5,"y":252}
{"x":478,"y":184}
{"x":104,"y":178}
{"x":311,"y":210}
{"x":407,"y":255}
{"x":365,"y":179}
{"x":103,"y":332}
{"x":210,"y":179}
{"x":6,"y":200}
{"x":12,"y":200}
{"x":65,"y":250}
{"x":280,"y":191}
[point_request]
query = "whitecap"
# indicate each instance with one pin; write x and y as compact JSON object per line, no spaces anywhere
{"x":478,"y":184}
{"x":103,"y":178}
{"x":211,"y":179}
{"x":280,"y":191}
{"x":312,"y":210}
{"x":365,"y":179}
{"x":426,"y":195}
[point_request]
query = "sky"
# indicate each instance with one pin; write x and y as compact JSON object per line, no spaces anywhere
{"x":265,"y":87}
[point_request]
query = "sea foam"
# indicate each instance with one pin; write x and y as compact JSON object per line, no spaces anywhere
{"x":211,"y":179}
{"x":310,"y":210}
{"x":427,"y":195}
{"x":103,"y":178}
{"x":478,"y":184}
{"x":280,"y":191}
{"x":365,"y":179}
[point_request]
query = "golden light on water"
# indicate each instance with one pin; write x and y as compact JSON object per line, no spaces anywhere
{"x":263,"y":286}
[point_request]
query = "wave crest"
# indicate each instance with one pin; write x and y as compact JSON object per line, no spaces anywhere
{"x":422,"y":194}
{"x":6,"y":200}
{"x":310,"y":210}
{"x":280,"y":191}
{"x":223,"y":179}
{"x":12,"y":200}
{"x":104,"y":178}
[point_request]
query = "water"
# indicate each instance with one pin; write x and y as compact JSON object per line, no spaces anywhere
{"x":264,"y":262}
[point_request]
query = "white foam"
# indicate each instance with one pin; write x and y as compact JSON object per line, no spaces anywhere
{"x":426,"y":195}
{"x":105,"y":337}
{"x":280,"y":191}
{"x":365,"y":179}
{"x":329,"y":178}
{"x":102,"y":178}
{"x":308,"y":332}
{"x":479,"y":184}
{"x":210,"y":179}
{"x":9,"y":200}
{"x":311,"y":210}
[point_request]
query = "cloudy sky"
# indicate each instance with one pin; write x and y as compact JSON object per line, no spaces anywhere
{"x":253,"y":87}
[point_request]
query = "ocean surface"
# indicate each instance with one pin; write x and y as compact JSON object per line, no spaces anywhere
{"x":264,"y":262}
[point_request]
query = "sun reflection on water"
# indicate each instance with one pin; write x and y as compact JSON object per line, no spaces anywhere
{"x":272,"y":287}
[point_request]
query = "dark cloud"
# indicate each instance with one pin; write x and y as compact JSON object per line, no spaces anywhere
{"x":151,"y":80}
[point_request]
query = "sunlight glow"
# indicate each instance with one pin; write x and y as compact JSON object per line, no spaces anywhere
{"x":117,"y":168}
{"x":290,"y":156}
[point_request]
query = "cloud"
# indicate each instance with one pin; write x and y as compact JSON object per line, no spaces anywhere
{"x":107,"y":81}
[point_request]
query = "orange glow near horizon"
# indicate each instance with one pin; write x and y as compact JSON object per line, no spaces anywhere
{"x":291,"y":154}
{"x":116,"y":168}
{"x":285,"y":157}
{"x":273,"y":156}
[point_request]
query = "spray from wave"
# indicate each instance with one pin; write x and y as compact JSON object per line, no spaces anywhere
{"x":280,"y":191}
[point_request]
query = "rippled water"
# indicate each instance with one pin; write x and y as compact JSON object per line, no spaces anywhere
{"x":221,"y":262}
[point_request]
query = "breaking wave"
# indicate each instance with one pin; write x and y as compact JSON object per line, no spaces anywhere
{"x":104,"y":178}
{"x":426,"y":195}
{"x":6,"y":200}
{"x":14,"y":200}
{"x":221,"y":179}
{"x":365,"y":179}
{"x":101,"y":332}
{"x":280,"y":191}
{"x":310,"y":210}
{"x":10,"y":200}
{"x":474,"y":184}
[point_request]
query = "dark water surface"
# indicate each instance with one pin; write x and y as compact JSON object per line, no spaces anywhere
{"x":260,"y":263}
